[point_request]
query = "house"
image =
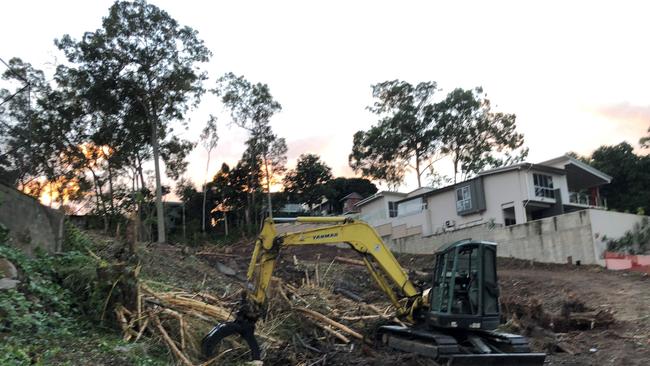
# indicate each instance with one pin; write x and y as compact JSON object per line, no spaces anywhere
{"x":350,"y":201}
{"x":509,"y":195}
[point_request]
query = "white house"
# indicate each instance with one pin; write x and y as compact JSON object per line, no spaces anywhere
{"x":509,"y":195}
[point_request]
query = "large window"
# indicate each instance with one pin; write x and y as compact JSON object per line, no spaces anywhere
{"x":463,"y":199}
{"x":411,"y":207}
{"x":392,"y":209}
{"x":543,"y":185}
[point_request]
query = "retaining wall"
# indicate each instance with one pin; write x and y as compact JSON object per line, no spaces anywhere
{"x":30,"y":224}
{"x":575,"y":236}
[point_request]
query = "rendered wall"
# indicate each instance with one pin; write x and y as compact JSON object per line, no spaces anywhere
{"x":30,"y":224}
{"x":578,"y":235}
{"x":611,"y":225}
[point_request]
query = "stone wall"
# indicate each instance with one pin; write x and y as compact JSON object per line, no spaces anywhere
{"x":31,"y":224}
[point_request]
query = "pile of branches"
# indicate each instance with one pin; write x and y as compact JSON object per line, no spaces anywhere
{"x":305,"y":323}
{"x":178,"y":318}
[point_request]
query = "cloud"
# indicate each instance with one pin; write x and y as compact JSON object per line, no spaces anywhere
{"x":635,"y":118}
{"x":312,"y":144}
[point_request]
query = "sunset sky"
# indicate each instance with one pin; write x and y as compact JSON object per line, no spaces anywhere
{"x":576,"y":74}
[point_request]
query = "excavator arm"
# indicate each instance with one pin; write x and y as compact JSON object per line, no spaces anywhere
{"x":449,"y":345}
{"x":360,"y":236}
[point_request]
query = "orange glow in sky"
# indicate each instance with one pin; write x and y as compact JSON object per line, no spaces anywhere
{"x":575,"y":73}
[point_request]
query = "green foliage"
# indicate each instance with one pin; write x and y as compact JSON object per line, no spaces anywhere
{"x":635,"y":241}
{"x":628,"y":190}
{"x":48,"y":318}
{"x":474,"y":136}
{"x":645,"y":141}
{"x":340,"y":187}
{"x":307,"y":182}
{"x":406,"y":135}
{"x":251,"y":107}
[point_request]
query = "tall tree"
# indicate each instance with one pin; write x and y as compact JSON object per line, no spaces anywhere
{"x":149,"y":60}
{"x":645,"y":141}
{"x":340,"y":187}
{"x":209,"y":139}
{"x":251,"y":108}
{"x":405,"y":136}
{"x":630,"y":174}
{"x":307,"y":182}
{"x":474,"y":136}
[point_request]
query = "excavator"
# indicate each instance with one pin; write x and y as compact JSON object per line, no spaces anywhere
{"x":454,"y":322}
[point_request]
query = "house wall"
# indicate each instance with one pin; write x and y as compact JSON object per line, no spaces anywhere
{"x":375,"y":212}
{"x":501,"y":191}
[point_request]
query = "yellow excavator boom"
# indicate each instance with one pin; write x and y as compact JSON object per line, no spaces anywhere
{"x":360,"y":236}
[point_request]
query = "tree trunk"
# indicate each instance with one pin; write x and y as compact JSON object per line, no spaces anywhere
{"x":139,"y":168}
{"x":205,"y":191}
{"x":417,"y":169}
{"x":110,"y":188}
{"x":160,"y":214}
{"x":455,"y":168}
{"x":268,"y":186}
{"x":100,"y":200}
{"x":225,"y":221}
{"x":184,"y":232}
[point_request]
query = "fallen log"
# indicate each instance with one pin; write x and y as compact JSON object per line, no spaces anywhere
{"x":355,"y":262}
{"x":349,"y":294}
{"x":333,"y":323}
{"x":170,"y":343}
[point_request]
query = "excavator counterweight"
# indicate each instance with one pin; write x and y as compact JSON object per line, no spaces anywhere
{"x":454,"y":322}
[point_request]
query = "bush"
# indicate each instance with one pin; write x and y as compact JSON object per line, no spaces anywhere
{"x":635,"y":241}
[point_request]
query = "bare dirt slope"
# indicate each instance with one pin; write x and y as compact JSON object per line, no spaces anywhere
{"x":626,"y":341}
{"x":627,"y":294}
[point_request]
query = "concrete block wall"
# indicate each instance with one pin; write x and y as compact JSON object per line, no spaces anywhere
{"x":30,"y":224}
{"x":550,"y":240}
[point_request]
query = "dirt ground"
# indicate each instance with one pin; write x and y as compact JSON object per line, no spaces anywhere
{"x":627,"y":294}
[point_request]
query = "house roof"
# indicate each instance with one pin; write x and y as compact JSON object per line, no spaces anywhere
{"x":565,"y":160}
{"x":353,"y":195}
{"x":434,"y":191}
{"x":379,"y":195}
{"x":523,"y":166}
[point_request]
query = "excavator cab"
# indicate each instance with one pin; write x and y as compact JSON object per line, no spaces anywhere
{"x":465,"y":293}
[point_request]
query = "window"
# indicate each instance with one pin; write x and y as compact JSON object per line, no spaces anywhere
{"x":543,"y":186}
{"x":392,"y":209}
{"x":411,"y":207}
{"x":463,"y":199}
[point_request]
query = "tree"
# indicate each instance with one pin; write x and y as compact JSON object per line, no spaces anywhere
{"x":40,"y":133}
{"x":628,"y":190}
{"x":474,"y":136}
{"x":143,"y":55}
{"x":251,"y":108}
{"x":340,"y":187}
{"x":645,"y":141}
{"x":209,"y":139}
{"x":405,"y":136}
{"x":307,"y":182}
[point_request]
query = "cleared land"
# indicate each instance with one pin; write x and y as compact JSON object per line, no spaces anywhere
{"x":545,"y":302}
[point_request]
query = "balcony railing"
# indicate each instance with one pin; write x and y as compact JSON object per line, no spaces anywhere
{"x":584,"y":199}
